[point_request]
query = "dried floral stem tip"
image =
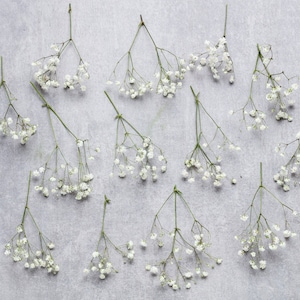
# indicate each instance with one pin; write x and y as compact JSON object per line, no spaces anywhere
{"x":290,"y":171}
{"x":169,"y":75}
{"x":135,"y":153}
{"x":187,"y":254}
{"x":57,"y":174}
{"x":203,"y":160}
{"x":101,"y":261}
{"x":12,"y":123}
{"x":46,"y":75}
{"x":21,"y":247}
{"x":280,"y":91}
{"x":216,"y":57}
{"x":261,"y":234}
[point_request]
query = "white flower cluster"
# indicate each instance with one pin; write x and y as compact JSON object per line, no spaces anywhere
{"x":22,"y":130}
{"x":61,"y":181}
{"x":58,"y":176}
{"x":100,"y":263}
{"x":186,"y":255}
{"x":258,"y":118}
{"x":257,"y":239}
{"x":216,"y":57}
{"x":169,"y":81}
{"x":20,"y":249}
{"x":208,"y":171}
{"x":82,"y":74}
{"x":132,"y":86}
{"x":129,"y":158}
{"x":290,"y":171}
{"x":46,"y":75}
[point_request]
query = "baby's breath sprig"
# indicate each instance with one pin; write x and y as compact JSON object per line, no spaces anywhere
{"x":216,"y":57}
{"x":134,"y":152}
{"x":261,"y":233}
{"x":101,"y":261}
{"x":202,"y":159}
{"x":188,"y":257}
{"x":289,"y":171}
{"x":279,"y":90}
{"x":170,"y":71}
{"x":57,"y":172}
{"x":12,"y":123}
{"x":21,"y":248}
{"x":47,"y":66}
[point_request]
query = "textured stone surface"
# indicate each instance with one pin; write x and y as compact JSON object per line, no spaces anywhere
{"x":103,"y":32}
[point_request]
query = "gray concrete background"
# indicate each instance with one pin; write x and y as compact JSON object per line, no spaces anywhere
{"x":103,"y":32}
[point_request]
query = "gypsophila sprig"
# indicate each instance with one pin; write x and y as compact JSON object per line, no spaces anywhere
{"x":216,"y":57}
{"x":23,"y":248}
{"x":57,"y":174}
{"x":168,"y":76}
{"x":279,"y":95}
{"x":12,"y":123}
{"x":290,"y":171}
{"x":203,"y":160}
{"x":46,"y":75}
{"x":261,"y":234}
{"x":187,"y":256}
{"x":101,"y":261}
{"x":135,"y":154}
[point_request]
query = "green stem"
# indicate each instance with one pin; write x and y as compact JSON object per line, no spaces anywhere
{"x":106,"y":201}
{"x":27,"y":198}
{"x":111,"y":102}
{"x":225,"y":25}
{"x":53,"y":111}
{"x":2,"y":74}
{"x":70,"y":19}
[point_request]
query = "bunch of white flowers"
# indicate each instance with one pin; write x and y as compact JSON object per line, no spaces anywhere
{"x":171,"y":72}
{"x":216,"y":57}
{"x":135,"y":154}
{"x":47,"y":66}
{"x":57,"y":174}
{"x":280,"y":90}
{"x":20,"y":129}
{"x":290,"y":171}
{"x":202,"y":160}
{"x":260,"y":234}
{"x":100,"y":261}
{"x":188,"y":257}
{"x":20,"y":249}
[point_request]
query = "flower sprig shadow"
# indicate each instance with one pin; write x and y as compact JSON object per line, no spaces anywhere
{"x":57,"y":174}
{"x":216,"y":57}
{"x":101,"y":260}
{"x":290,"y":171}
{"x":186,"y":256}
{"x":169,"y":75}
{"x":46,"y":75}
{"x":203,"y":160}
{"x":262,"y":234}
{"x":22,"y":248}
{"x":135,"y":154}
{"x":280,"y":89}
{"x":12,"y":123}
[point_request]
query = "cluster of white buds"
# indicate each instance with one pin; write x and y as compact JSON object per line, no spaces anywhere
{"x":187,"y":257}
{"x":216,"y":57}
{"x":22,"y":130}
{"x":20,"y":249}
{"x":171,"y":72}
{"x":59,"y":177}
{"x":260,"y":234}
{"x":290,"y":171}
{"x":169,"y":81}
{"x":258,"y":117}
{"x":139,"y":157}
{"x":82,"y":74}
